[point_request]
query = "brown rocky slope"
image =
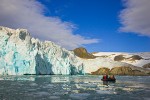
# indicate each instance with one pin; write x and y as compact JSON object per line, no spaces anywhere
{"x":123,"y":70}
{"x":146,"y":65}
{"x":82,"y":53}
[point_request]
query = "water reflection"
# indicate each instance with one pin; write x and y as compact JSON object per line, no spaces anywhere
{"x":105,"y":83}
{"x":53,"y":78}
{"x":18,"y":78}
{"x":108,"y":82}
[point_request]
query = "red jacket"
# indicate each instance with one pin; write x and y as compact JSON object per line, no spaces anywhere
{"x":105,"y":77}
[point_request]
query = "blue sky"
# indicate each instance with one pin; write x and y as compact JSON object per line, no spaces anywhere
{"x":97,"y":25}
{"x":98,"y":19}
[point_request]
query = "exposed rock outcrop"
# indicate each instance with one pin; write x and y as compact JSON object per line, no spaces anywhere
{"x":146,"y":65}
{"x":82,"y":53}
{"x":123,"y":70}
{"x":119,"y":58}
{"x":126,"y":71}
{"x":132,"y":58}
{"x":135,"y":57}
{"x":101,"y":71}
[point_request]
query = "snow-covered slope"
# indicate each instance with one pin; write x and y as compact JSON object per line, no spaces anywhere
{"x":94,"y":64}
{"x":130,"y":58}
{"x":21,"y":54}
{"x":123,"y":63}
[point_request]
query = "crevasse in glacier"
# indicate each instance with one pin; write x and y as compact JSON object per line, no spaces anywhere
{"x":21,"y":54}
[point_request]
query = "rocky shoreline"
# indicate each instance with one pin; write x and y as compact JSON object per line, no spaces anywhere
{"x":120,"y":71}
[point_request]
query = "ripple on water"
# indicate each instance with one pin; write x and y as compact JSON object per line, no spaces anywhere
{"x":54,"y":97}
{"x":104,"y":92}
{"x":33,"y":84}
{"x":79,"y":95}
{"x":58,"y":93}
{"x":41,"y":93}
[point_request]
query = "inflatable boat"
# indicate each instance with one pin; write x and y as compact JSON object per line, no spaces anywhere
{"x":112,"y":80}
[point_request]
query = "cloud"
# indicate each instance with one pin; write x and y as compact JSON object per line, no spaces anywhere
{"x":136,"y":17}
{"x":29,"y":14}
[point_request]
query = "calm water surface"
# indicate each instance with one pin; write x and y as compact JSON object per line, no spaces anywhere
{"x":74,"y":88}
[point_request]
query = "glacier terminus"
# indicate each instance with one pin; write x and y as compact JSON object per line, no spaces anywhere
{"x":21,"y":54}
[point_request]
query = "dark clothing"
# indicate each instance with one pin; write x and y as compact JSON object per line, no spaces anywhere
{"x":112,"y":77}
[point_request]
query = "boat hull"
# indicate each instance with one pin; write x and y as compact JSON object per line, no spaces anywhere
{"x":112,"y":80}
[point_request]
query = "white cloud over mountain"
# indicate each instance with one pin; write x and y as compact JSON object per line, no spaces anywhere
{"x":136,"y":17}
{"x":29,"y":14}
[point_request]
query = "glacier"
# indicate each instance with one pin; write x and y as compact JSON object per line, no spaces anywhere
{"x":22,"y":54}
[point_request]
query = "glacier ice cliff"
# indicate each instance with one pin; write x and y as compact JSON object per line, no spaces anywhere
{"x":21,"y":54}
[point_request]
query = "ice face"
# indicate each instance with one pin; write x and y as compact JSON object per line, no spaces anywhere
{"x":21,"y":54}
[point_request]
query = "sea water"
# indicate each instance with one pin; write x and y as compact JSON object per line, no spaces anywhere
{"x":74,"y":88}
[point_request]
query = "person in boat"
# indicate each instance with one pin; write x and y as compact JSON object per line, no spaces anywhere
{"x":105,"y":77}
{"x":112,"y":77}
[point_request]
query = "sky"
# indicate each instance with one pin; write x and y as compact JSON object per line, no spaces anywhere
{"x":97,"y":25}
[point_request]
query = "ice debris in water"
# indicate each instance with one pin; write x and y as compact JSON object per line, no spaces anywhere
{"x":21,"y":54}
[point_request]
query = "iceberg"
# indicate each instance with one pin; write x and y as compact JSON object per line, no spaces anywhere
{"x":22,"y":54}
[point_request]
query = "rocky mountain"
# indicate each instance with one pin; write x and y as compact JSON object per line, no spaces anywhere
{"x":21,"y":54}
{"x":82,"y":53}
{"x":117,"y":63}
